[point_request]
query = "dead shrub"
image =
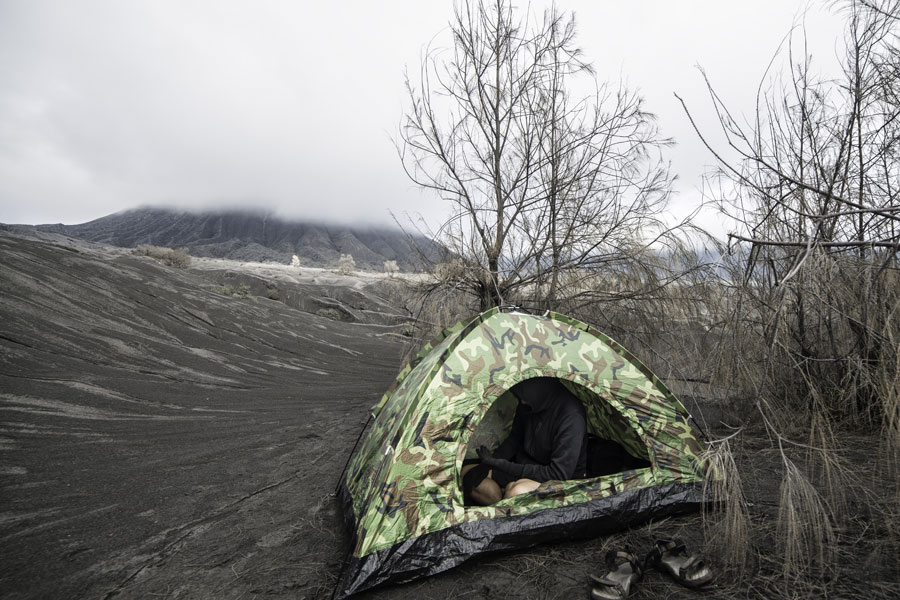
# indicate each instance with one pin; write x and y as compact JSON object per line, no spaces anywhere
{"x":450,"y":272}
{"x":435,"y":306}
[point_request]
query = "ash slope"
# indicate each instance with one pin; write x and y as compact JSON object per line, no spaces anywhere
{"x":161,"y":438}
{"x":255,"y":236}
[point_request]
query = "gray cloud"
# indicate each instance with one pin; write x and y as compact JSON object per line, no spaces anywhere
{"x":106,"y":105}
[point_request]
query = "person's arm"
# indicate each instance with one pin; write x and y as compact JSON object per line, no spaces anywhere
{"x":567,"y":442}
{"x":513,"y":442}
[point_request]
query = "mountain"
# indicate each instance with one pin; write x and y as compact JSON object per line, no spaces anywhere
{"x":255,"y":236}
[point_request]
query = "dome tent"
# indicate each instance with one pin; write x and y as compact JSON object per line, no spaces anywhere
{"x":402,"y":491}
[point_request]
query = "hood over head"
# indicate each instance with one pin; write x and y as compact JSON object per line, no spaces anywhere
{"x":537,"y":393}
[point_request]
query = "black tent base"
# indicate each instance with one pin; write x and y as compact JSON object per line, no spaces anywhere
{"x":442,"y":550}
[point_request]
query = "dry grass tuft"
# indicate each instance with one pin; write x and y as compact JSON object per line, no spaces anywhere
{"x":726,"y":520}
{"x":434,"y":307}
{"x":824,"y":462}
{"x":805,"y":533}
{"x":888,"y":386}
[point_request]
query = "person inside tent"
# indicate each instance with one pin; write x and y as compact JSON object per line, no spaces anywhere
{"x":548,"y":441}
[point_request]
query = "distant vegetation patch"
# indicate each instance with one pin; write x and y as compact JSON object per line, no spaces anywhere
{"x":241,"y":291}
{"x":330,"y":313}
{"x":180,"y":259}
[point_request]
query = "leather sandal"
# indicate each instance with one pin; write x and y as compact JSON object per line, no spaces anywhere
{"x":624,"y":571}
{"x":672,"y":557}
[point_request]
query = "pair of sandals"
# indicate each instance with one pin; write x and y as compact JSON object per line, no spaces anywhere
{"x":668,"y":556}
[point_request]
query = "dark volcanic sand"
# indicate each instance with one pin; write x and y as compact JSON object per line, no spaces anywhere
{"x":161,"y":440}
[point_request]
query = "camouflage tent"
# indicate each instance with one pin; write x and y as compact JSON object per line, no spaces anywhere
{"x":402,"y":490}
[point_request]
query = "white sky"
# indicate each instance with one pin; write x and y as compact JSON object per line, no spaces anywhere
{"x":291,"y":105}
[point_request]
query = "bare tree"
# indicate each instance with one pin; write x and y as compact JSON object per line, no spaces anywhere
{"x":346,"y":264}
{"x":391,"y":268}
{"x":818,"y":165}
{"x":470,"y":137}
{"x":544,"y":185}
{"x":601,"y":182}
{"x":815,"y":190}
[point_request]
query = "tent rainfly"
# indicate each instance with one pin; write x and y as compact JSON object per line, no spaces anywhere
{"x":402,"y":491}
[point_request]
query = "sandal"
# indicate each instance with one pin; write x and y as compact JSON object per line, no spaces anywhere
{"x":624,"y":571}
{"x":671,"y":556}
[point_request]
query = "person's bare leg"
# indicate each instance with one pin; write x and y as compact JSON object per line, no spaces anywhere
{"x":485,"y":493}
{"x":520,"y":486}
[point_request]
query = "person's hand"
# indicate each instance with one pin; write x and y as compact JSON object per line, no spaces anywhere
{"x":486,"y":458}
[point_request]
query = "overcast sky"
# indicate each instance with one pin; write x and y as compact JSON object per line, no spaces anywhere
{"x":291,"y":105}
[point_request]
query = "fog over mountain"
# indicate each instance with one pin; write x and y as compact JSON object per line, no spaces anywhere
{"x":107,"y":106}
{"x":255,"y":236}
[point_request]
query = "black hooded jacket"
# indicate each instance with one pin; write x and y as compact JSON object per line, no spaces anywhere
{"x":549,"y":435}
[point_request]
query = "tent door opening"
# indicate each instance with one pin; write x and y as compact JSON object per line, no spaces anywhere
{"x":613,"y":444}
